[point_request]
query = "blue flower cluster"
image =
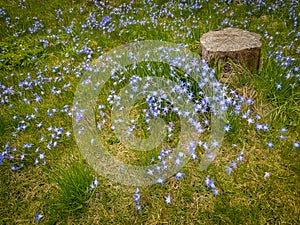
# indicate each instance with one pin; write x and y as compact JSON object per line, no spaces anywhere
{"x":233,"y":163}
{"x":57,"y":80}
{"x":137,"y":200}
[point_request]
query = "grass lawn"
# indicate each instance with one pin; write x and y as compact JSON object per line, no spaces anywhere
{"x":49,"y":50}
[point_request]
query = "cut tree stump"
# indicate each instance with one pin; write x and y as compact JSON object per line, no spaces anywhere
{"x":231,"y":45}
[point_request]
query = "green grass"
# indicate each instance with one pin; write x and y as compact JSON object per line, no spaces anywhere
{"x":60,"y":189}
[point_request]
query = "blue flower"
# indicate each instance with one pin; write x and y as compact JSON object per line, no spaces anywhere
{"x":179,"y":175}
{"x":68,"y":133}
{"x":22,"y":156}
{"x":240,"y":157}
{"x":94,"y":184}
{"x":227,"y":128}
{"x":38,"y":217}
{"x":278,"y":86}
{"x":270,"y":144}
{"x":283,"y":130}
{"x":249,"y":101}
{"x":229,"y":170}
{"x":13,"y":167}
{"x":1,"y":158}
{"x":137,"y":196}
{"x":209,"y":183}
{"x":265,"y":127}
{"x":137,"y":199}
{"x":282,"y":137}
{"x":168,"y":199}
{"x":296,"y":144}
{"x":105,"y":20}
{"x":150,"y":172}
{"x":215,"y":191}
{"x":258,"y":126}
{"x":160,"y":181}
{"x":233,"y":164}
{"x":2,"y":12}
{"x":138,"y":208}
{"x":178,"y":162}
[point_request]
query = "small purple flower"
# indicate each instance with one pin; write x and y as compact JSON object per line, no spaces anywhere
{"x":296,"y":144}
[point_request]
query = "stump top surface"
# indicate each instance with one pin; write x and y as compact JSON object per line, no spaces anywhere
{"x":230,"y":39}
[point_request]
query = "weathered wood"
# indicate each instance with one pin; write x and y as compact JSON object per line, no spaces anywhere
{"x":240,"y":46}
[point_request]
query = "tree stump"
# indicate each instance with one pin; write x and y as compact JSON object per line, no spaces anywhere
{"x":232,"y":45}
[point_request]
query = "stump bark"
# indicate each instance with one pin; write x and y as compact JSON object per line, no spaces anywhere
{"x":232,"y":45}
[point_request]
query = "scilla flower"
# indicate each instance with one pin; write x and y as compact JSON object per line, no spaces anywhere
{"x":168,"y":199}
{"x":38,"y":217}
